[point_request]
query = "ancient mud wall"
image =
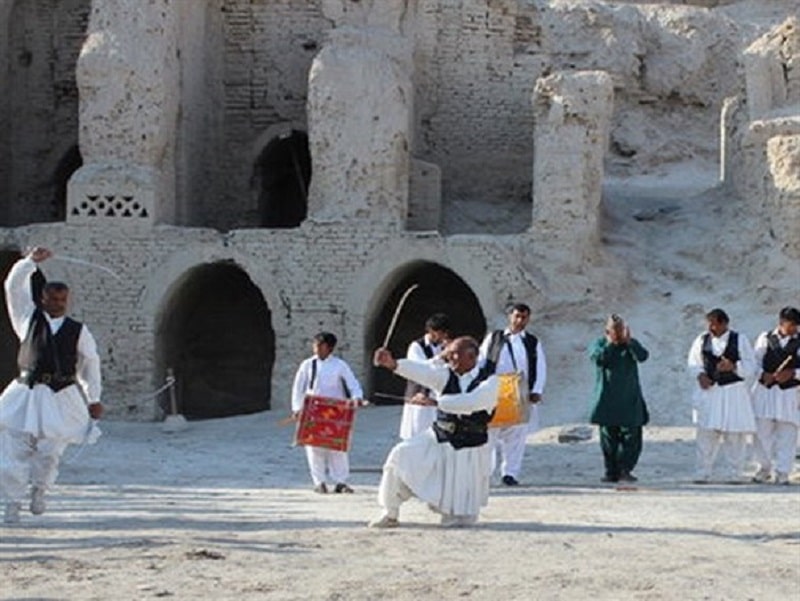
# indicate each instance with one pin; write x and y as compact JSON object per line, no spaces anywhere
{"x":39,"y":47}
{"x":477,"y":63}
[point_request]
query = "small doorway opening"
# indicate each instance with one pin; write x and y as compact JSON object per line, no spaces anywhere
{"x":283,"y":173}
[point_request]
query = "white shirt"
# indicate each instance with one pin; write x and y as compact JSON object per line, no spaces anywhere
{"x":506,"y":363}
{"x":435,"y":377}
{"x":331,"y":373}
{"x":20,"y":311}
{"x":762,"y":344}
{"x":745,"y":367}
{"x":416,"y":352}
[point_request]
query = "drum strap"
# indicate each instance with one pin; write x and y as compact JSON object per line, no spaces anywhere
{"x":314,"y":379}
{"x":511,"y":353}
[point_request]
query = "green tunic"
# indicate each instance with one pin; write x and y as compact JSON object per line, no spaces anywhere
{"x":618,"y":399}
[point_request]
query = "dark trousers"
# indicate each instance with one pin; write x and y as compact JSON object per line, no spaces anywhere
{"x":621,"y":447}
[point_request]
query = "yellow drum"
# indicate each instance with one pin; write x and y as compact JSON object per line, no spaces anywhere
{"x":512,"y":404}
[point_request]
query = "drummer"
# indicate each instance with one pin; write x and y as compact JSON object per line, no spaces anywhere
{"x":516,"y":350}
{"x":326,"y":375}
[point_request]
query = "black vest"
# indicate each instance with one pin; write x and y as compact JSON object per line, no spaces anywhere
{"x":413,"y":388}
{"x":710,"y":360}
{"x":496,"y":343}
{"x":47,"y":358}
{"x":776,"y":355}
{"x":463,"y":431}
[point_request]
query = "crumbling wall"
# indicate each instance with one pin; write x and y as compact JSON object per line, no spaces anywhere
{"x":130,"y":92}
{"x":266,"y":50}
{"x":761,"y":135}
{"x":573,"y":114}
{"x":360,"y":114}
{"x":40,"y":41}
{"x":477,"y":63}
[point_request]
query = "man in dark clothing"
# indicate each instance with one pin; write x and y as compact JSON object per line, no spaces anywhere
{"x":618,"y":406}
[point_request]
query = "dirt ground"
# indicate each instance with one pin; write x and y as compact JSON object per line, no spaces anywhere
{"x":224,"y":510}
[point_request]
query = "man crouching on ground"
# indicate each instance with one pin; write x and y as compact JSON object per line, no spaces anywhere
{"x":447,"y":465}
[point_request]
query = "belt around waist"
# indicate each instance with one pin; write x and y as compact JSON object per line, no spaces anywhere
{"x":451,"y":427}
{"x":30,"y":378}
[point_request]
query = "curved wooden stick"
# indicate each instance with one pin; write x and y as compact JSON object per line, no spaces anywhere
{"x":399,"y":308}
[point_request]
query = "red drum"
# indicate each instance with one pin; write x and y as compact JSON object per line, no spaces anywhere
{"x":326,"y":422}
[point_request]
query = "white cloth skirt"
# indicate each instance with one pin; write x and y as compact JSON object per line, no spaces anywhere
{"x":779,"y":405}
{"x":455,"y":482}
{"x":726,"y":408}
{"x":44,"y":414}
{"x":416,"y":419}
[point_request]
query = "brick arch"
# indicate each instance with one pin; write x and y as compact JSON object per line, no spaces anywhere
{"x":214,"y":329}
{"x":440,"y":289}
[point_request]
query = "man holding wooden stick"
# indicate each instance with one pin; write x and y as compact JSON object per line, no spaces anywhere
{"x":776,"y":398}
{"x":447,"y":465}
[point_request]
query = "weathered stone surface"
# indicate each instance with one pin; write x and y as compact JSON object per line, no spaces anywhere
{"x":359,"y":109}
{"x":129,"y":80}
{"x":573,"y":113}
{"x":761,"y":152}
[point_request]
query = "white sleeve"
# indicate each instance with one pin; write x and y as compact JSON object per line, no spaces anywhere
{"x":300,"y":386}
{"x":695,"y":360}
{"x":484,"y":350}
{"x":746,"y":366}
{"x":352,"y":383}
{"x":88,"y":368}
{"x":541,"y":370}
{"x":423,"y":372}
{"x":18,"y":295}
{"x":759,"y":350}
{"x":415,"y":352}
{"x":483,"y":398}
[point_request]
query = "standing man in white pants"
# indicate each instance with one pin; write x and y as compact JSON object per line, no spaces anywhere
{"x":419,"y":410}
{"x":45,"y":408}
{"x":776,"y":398}
{"x":721,"y":361}
{"x":518,"y":351}
{"x":324,"y":374}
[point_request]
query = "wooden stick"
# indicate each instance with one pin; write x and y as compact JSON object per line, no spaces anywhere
{"x":383,"y":395}
{"x":783,"y":365}
{"x":399,"y":308}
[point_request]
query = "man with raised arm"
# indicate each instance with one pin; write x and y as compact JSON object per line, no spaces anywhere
{"x":447,"y":465}
{"x":50,"y":404}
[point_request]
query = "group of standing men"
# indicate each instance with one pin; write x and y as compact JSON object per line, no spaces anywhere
{"x":512,"y":350}
{"x":742,"y":391}
{"x":447,"y":453}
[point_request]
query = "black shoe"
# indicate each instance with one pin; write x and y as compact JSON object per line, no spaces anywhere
{"x":627,"y":477}
{"x":321,"y":488}
{"x":510,"y":480}
{"x":609,"y":478}
{"x":342,"y":487}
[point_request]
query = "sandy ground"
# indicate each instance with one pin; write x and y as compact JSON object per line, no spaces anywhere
{"x":224,"y":510}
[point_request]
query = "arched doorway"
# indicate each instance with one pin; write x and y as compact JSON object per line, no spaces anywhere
{"x":440,"y":290}
{"x":69,"y":164}
{"x":9,"y":344}
{"x":282,"y":173}
{"x":215,"y":331}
